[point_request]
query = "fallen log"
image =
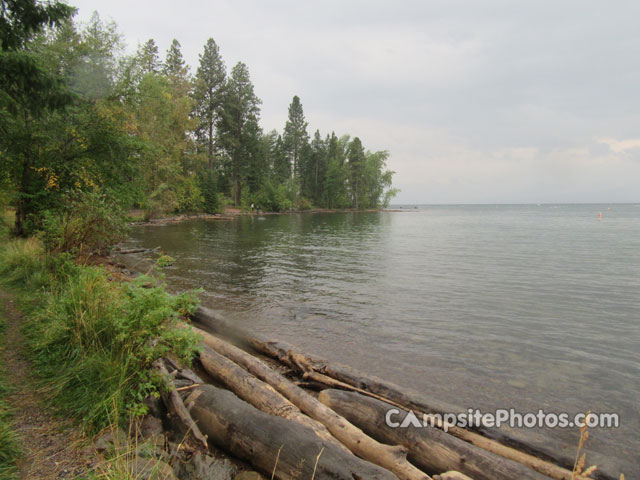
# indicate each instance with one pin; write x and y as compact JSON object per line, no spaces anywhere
{"x":392,"y":458}
{"x":277,"y":446}
{"x":136,"y":250}
{"x":392,"y":394}
{"x":257,"y":393}
{"x":516,"y":450}
{"x":431,"y":449}
{"x":176,"y":408}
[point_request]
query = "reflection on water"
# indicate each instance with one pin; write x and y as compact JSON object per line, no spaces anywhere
{"x":481,"y":306}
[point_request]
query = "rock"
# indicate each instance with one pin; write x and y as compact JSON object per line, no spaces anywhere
{"x":149,"y":469}
{"x":150,"y":426}
{"x":205,"y":467}
{"x":110,"y":440}
{"x":247,"y":475}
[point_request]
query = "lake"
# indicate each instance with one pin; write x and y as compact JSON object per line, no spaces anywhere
{"x":492,"y":306}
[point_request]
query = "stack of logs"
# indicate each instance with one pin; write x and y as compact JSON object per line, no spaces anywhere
{"x":286,"y":429}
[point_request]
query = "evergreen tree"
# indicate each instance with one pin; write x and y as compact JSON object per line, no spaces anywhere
{"x":148,"y":57}
{"x":238,"y":130}
{"x":356,"y":158}
{"x":317,"y":167}
{"x":174,"y":64}
{"x":334,"y":195}
{"x":209,"y":188}
{"x":281,"y":164}
{"x":295,"y":135}
{"x":208,"y":93}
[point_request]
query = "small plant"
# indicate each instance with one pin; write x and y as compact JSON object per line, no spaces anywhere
{"x":580,"y":461}
{"x":165,"y":261}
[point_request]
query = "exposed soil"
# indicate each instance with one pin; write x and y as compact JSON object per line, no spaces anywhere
{"x":52,"y":447}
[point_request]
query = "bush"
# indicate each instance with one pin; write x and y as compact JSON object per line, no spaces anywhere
{"x":88,"y":223}
{"x":273,"y":198}
{"x":190,"y":197}
{"x":303,"y":203}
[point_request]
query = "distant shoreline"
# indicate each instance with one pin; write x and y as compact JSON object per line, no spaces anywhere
{"x":231,"y":213}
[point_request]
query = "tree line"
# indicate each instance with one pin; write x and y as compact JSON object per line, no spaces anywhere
{"x":80,"y":115}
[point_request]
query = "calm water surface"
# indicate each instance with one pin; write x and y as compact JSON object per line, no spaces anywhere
{"x":479,"y":306}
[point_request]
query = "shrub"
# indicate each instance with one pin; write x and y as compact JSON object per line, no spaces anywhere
{"x":88,"y":223}
{"x":190,"y":197}
{"x":273,"y":198}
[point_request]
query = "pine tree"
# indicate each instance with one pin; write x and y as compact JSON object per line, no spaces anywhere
{"x":238,"y":130}
{"x":357,"y":160}
{"x":174,"y":64}
{"x":318,"y":167}
{"x":149,"y":58}
{"x":208,"y":94}
{"x":281,"y":164}
{"x":295,"y":135}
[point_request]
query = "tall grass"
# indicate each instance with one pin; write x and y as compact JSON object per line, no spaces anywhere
{"x":93,"y":341}
{"x":9,"y":446}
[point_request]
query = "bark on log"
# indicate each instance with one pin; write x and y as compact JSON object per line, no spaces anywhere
{"x":259,"y":394}
{"x":392,"y":458}
{"x":176,"y":407}
{"x":431,"y":449}
{"x":274,"y":443}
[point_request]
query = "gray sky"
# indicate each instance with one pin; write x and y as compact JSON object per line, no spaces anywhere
{"x":477,"y":101}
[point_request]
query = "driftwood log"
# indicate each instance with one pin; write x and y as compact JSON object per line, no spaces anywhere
{"x":392,"y":458}
{"x":394,"y":395}
{"x":285,"y":353}
{"x":431,"y":449}
{"x":176,"y":408}
{"x":257,"y":393}
{"x":274,"y":444}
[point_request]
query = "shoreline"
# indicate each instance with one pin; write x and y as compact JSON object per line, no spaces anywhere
{"x":232,"y":213}
{"x":552,"y":451}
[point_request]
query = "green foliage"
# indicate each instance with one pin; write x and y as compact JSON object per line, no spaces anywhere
{"x":165,"y":261}
{"x":209,"y":188}
{"x":189,"y":195}
{"x":295,"y":136}
{"x":93,"y":340}
{"x":208,"y":93}
{"x":273,"y":198}
{"x":87,"y":222}
{"x":238,"y":130}
{"x":79,"y":114}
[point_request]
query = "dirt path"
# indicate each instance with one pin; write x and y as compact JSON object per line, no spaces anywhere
{"x":53,"y":449}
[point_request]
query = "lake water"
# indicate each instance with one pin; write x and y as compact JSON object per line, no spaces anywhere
{"x":478,"y":306}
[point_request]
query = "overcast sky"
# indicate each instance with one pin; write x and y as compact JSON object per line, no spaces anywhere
{"x":477,"y":101}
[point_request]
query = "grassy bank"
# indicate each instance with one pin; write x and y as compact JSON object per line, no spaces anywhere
{"x":93,"y":340}
{"x":9,"y":449}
